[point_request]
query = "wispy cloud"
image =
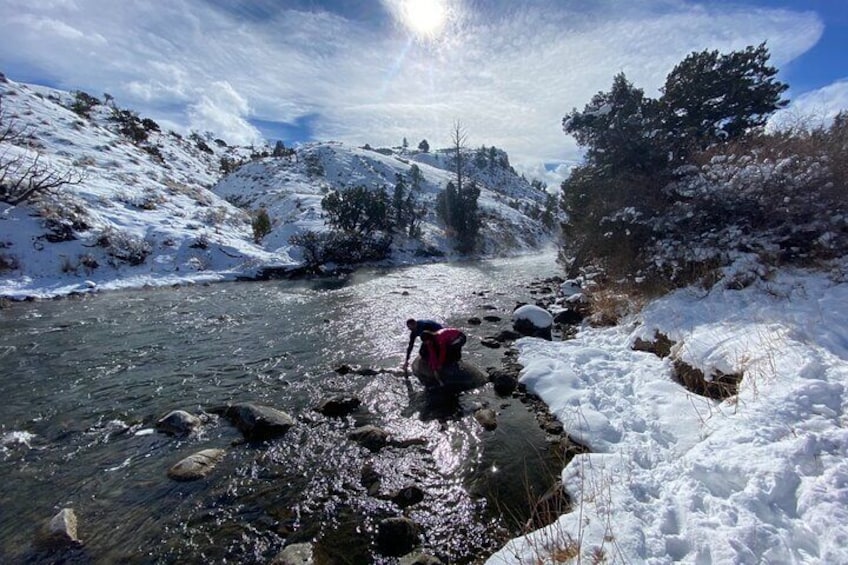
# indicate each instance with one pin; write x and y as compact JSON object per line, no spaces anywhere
{"x":508,"y":74}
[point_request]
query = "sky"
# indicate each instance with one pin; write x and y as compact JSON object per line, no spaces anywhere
{"x":379,"y":71}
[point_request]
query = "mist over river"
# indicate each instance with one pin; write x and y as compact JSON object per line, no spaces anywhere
{"x":83,"y":381}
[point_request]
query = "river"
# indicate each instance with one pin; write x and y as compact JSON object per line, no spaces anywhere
{"x":83,"y":381}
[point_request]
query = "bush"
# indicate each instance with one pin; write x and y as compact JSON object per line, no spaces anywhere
{"x":124,"y":247}
{"x":83,"y":103}
{"x":341,"y":248}
{"x":261,"y":225}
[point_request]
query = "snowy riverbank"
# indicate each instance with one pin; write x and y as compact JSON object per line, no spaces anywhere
{"x":673,"y":476}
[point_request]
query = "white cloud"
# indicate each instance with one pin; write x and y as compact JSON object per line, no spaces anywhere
{"x":509,"y":76}
{"x":222,"y":110}
{"x":814,"y":108}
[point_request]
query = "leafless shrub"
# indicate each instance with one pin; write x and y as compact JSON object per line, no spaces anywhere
{"x":23,"y":174}
{"x":124,"y":247}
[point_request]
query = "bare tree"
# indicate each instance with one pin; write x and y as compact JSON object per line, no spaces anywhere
{"x":23,"y":176}
{"x":458,"y":138}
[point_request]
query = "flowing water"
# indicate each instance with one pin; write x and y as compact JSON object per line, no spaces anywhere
{"x":83,"y":381}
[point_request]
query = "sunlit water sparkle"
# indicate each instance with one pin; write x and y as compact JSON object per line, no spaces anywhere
{"x":84,"y":380}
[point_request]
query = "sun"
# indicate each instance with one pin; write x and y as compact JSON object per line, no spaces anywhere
{"x":424,"y":18}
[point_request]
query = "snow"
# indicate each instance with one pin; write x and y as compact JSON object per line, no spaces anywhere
{"x":137,"y":219}
{"x":538,"y":317}
{"x":675,"y":477}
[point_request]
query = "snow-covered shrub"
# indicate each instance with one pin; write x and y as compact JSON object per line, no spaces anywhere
{"x":124,"y":247}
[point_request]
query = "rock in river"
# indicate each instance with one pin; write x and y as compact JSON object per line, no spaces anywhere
{"x":61,"y":531}
{"x":196,"y":466}
{"x":256,"y":422}
{"x":178,"y":423}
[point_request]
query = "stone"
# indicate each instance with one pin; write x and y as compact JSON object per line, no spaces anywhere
{"x":338,"y":406}
{"x":487,"y":418}
{"x":490,"y":342}
{"x":197,"y":465}
{"x":61,"y":531}
{"x":370,"y":437}
{"x":531,"y":320}
{"x":397,"y":536}
{"x":419,"y":558}
{"x":178,"y":423}
{"x":295,"y":554}
{"x":408,"y":496}
{"x":256,"y":422}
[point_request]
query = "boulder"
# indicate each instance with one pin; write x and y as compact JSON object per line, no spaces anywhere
{"x":338,"y":406}
{"x":455,"y":377}
{"x":531,"y":320}
{"x":61,"y":531}
{"x":504,"y":381}
{"x":196,"y":466}
{"x":487,"y":418}
{"x":420,"y":558}
{"x":407,"y":496}
{"x":256,"y":422}
{"x":397,"y":536}
{"x":295,"y":554}
{"x":178,"y":423}
{"x":370,"y":437}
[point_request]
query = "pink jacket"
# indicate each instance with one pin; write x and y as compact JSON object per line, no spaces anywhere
{"x":438,"y":350}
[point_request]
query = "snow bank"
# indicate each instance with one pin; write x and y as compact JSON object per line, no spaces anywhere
{"x":761,"y":477}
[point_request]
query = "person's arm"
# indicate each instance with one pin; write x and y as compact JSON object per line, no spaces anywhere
{"x":409,"y":348}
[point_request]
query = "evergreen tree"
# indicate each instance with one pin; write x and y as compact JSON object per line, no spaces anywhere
{"x":710,"y":97}
{"x":261,"y":224}
{"x":424,"y":147}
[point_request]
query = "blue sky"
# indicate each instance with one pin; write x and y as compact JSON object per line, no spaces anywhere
{"x":378,"y":71}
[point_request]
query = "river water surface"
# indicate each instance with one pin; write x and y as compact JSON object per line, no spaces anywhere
{"x":83,"y":381}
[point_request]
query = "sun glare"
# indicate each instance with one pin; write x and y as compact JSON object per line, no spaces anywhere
{"x":424,"y":18}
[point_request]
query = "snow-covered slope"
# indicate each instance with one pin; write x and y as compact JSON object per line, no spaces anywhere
{"x":291,"y":189}
{"x":157,"y":209}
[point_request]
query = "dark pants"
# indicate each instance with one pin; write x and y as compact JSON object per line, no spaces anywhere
{"x":454,"y":351}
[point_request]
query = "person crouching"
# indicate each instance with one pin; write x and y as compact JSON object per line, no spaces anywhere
{"x":444,"y":347}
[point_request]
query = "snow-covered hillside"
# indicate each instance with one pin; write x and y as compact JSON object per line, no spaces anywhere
{"x":150,"y":207}
{"x":291,"y":189}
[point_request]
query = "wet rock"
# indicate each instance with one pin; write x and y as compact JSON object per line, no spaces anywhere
{"x":61,"y":531}
{"x":256,"y":422}
{"x":552,"y":426}
{"x":370,"y":437}
{"x":490,"y":342}
{"x":196,"y":466}
{"x":504,"y":382}
{"x":370,"y":479}
{"x":419,"y":558}
{"x":367,"y":372}
{"x":397,"y":536}
{"x":492,"y":318}
{"x":507,"y":335}
{"x":344,"y":369}
{"x":487,"y":418}
{"x":407,"y":496}
{"x":295,"y":554}
{"x":475,"y":321}
{"x":455,"y":377}
{"x":338,"y":406}
{"x":178,"y":423}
